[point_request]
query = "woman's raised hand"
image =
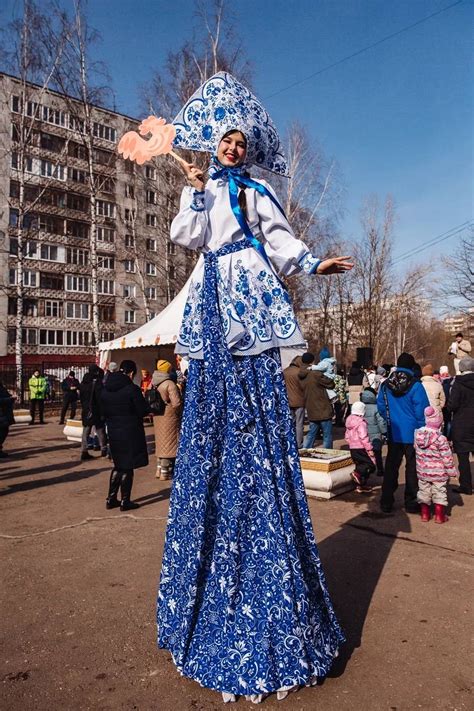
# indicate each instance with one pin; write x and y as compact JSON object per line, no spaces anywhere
{"x":335,"y":265}
{"x":194,"y":176}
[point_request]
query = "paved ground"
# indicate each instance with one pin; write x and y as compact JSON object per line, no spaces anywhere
{"x":79,"y":586}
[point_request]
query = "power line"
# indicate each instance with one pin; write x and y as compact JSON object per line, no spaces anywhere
{"x":433,"y":241}
{"x":364,"y":49}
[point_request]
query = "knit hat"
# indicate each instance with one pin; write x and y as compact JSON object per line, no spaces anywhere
{"x":381,"y":371}
{"x":428,"y":369}
{"x":444,"y":370}
{"x":324,"y":353}
{"x":358,"y":408}
{"x":433,"y":418}
{"x":128,"y":366}
{"x":307,"y":357}
{"x":112,"y":367}
{"x":164,"y":366}
{"x":405,"y":360}
{"x":466,"y":364}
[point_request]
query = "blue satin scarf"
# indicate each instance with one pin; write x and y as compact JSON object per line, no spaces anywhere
{"x":236,"y":179}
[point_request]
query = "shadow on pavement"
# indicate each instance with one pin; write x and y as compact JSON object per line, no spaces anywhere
{"x":62,"y":479}
{"x":153,"y":498}
{"x":353,"y":559}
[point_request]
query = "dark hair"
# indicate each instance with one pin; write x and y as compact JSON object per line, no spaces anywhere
{"x":71,"y":372}
{"x":307,"y":358}
{"x":128,"y":366}
{"x":459,"y":334}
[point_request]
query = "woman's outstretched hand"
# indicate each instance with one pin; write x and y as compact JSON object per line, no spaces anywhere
{"x":335,"y":265}
{"x":194,"y":176}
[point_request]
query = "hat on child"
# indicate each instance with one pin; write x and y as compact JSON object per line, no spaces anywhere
{"x":444,"y":370}
{"x":433,"y":418}
{"x":358,"y":408}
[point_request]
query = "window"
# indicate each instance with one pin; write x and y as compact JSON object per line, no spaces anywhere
{"x":74,"y":255}
{"x":77,"y":202}
{"x":78,"y":176}
{"x":150,"y":292}
{"x":171,"y":272}
{"x":104,"y":157}
{"x":130,"y":241}
{"x":53,"y":308}
{"x":107,"y":336}
{"x":75,"y":282}
{"x":30,"y":307}
{"x":16,"y":104}
{"x":172,"y":293}
{"x":13,"y":218}
{"x":106,"y":286}
{"x":51,"y":170}
{"x":29,"y":220}
{"x":129,"y":265}
{"x":29,"y":336}
{"x":53,"y":197}
{"x":105,"y":261}
{"x":150,"y":220}
{"x":49,"y":252}
{"x":151,"y":315}
{"x":151,"y":245}
{"x":51,"y":143}
{"x":75,"y":150}
{"x":150,"y":269}
{"x":50,"y":115}
{"x":105,"y":132}
{"x":150,"y":172}
{"x":76,"y":309}
{"x":79,"y":338}
{"x":13,"y":248}
{"x":105,"y":234}
{"x":106,"y":313}
{"x":107,"y":185}
{"x":31,"y":249}
{"x":170,"y":248}
{"x":105,"y":208}
{"x":51,"y":225}
{"x":129,"y":316}
{"x":76,"y":124}
{"x":49,"y":280}
{"x":77,"y":229}
{"x":129,"y":215}
{"x":11,"y":336}
{"x":14,"y":161}
{"x":50,"y":337}
{"x":129,"y":291}
{"x":151,"y":197}
{"x":29,"y":278}
{"x":130,"y":191}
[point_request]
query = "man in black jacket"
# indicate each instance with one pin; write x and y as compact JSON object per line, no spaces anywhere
{"x":124,"y":408}
{"x":6,"y":416}
{"x":461,"y":404}
{"x":92,"y":416}
{"x":70,"y":387}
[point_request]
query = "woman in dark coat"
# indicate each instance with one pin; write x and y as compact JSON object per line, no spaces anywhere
{"x":91,"y":415}
{"x":461,"y":404}
{"x":124,"y":408}
{"x":6,"y":416}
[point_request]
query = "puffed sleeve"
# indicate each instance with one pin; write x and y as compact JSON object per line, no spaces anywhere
{"x":189,"y":226}
{"x":288,"y":254}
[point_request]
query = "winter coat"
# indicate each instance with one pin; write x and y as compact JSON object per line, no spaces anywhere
{"x":293,"y":383}
{"x":38,"y":387}
{"x":167,"y":426}
{"x":124,"y":408}
{"x":407,"y":400}
{"x":435,"y":392}
{"x":70,"y":387}
{"x":434,"y":459}
{"x":89,"y":391}
{"x":460,"y":350}
{"x":355,"y":376}
{"x":376,"y":425}
{"x":315,"y":386}
{"x":6,"y":408}
{"x":327,"y":366}
{"x":356,"y":434}
{"x":461,"y":404}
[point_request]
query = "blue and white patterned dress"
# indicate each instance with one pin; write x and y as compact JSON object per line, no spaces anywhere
{"x":243,"y":605}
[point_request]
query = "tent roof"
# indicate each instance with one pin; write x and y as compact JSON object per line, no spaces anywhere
{"x":160,"y":330}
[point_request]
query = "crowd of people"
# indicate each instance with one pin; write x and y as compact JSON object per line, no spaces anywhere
{"x":422,"y":414}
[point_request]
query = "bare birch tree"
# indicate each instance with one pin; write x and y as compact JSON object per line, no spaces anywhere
{"x":33,"y":58}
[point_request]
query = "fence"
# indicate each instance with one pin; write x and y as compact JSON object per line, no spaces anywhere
{"x":53,"y":373}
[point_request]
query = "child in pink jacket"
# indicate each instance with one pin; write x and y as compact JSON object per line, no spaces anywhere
{"x":434,"y":466}
{"x":360,"y":445}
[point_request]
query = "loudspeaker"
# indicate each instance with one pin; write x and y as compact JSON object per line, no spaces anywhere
{"x":365,"y":357}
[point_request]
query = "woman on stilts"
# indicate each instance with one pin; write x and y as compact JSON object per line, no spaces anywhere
{"x":243,"y":605}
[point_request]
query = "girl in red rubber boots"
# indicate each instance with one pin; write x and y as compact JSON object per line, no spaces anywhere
{"x":434,"y":466}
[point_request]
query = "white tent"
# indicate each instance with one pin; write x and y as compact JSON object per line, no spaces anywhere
{"x":154,"y":339}
{"x":157,"y":338}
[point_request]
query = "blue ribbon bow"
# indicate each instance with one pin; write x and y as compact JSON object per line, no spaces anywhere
{"x":236,"y":178}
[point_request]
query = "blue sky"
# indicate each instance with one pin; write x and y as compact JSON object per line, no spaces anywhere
{"x":398,"y":118}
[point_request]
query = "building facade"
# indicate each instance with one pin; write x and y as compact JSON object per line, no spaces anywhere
{"x":138,"y":269}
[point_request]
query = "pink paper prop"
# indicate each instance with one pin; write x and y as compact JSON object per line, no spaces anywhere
{"x":140,"y":150}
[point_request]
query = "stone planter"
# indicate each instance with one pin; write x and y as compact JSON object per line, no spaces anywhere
{"x":22,"y":417}
{"x":73,"y":430}
{"x":326,"y":472}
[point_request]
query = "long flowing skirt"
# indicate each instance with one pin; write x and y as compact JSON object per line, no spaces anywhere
{"x":243,"y":605}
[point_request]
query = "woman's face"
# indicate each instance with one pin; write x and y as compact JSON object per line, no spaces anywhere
{"x":232,"y":149}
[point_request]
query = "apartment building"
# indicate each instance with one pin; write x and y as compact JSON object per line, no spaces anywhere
{"x":139,"y":270}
